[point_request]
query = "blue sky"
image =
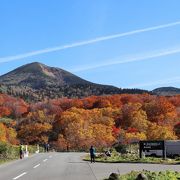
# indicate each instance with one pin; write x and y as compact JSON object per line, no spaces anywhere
{"x":146,"y":59}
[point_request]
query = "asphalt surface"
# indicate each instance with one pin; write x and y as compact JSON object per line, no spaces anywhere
{"x":69,"y":166}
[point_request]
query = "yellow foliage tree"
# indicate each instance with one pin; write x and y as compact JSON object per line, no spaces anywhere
{"x":3,"y":132}
{"x":133,"y":116}
{"x":135,"y":137}
{"x":82,"y":128}
{"x":157,"y":132}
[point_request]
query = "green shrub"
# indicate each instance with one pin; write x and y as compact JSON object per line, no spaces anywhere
{"x":127,"y":148}
{"x":33,"y":148}
{"x":162,"y":175}
{"x":3,"y":149}
{"x":121,"y":148}
{"x":8,"y":151}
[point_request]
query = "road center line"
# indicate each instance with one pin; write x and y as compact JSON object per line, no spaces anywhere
{"x":36,"y":166}
{"x":20,"y":175}
{"x":45,"y":160}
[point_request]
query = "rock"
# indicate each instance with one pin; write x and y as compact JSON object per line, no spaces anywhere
{"x":114,"y":176}
{"x":141,"y":177}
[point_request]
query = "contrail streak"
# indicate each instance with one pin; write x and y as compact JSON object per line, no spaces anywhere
{"x":82,"y":43}
{"x":129,"y":59}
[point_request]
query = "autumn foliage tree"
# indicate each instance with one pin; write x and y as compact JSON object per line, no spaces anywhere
{"x":35,"y":128}
{"x":157,"y":132}
{"x":161,"y":111}
{"x":96,"y":120}
{"x":7,"y":134}
{"x":81,"y":128}
{"x":35,"y":133}
{"x":134,"y":116}
{"x":177,"y":129}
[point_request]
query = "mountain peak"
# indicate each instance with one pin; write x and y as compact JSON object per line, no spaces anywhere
{"x":37,"y":75}
{"x":34,"y":66}
{"x":37,"y":68}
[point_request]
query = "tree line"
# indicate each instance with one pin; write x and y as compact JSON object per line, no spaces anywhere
{"x":98,"y":120}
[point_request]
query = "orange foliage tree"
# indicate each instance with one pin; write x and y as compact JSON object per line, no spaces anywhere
{"x":134,"y":116}
{"x":157,"y":132}
{"x":34,"y":133}
{"x":7,"y":134}
{"x":81,"y":128}
{"x":161,"y":111}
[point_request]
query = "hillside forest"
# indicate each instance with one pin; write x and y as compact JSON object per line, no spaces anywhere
{"x":96,"y":120}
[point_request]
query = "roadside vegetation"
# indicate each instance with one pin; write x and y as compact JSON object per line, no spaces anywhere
{"x":129,"y":154}
{"x":10,"y":152}
{"x":146,"y":175}
{"x":129,"y":158}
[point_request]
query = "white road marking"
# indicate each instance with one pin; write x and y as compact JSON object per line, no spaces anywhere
{"x":45,"y":160}
{"x":36,"y":166}
{"x":20,"y":175}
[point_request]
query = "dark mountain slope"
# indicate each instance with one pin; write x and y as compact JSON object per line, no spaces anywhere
{"x":36,"y":81}
{"x":166,"y":91}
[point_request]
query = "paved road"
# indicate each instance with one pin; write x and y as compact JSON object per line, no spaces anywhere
{"x":68,"y":166}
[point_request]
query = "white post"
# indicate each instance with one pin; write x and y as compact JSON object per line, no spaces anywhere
{"x":37,"y":148}
{"x":26,"y":154}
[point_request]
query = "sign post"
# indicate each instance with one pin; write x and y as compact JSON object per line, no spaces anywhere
{"x":152,"y":145}
{"x":164,"y":150}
